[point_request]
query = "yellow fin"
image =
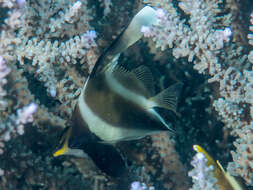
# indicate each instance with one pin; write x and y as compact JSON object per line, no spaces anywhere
{"x":61,"y":151}
{"x":210,"y":160}
{"x":65,"y":138}
{"x":233,"y":182}
{"x":220,"y":166}
{"x":168,"y":98}
{"x":224,"y":180}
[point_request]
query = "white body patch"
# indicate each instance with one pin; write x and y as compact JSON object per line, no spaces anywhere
{"x":138,"y":99}
{"x":127,"y":94}
{"x":97,"y":125}
{"x":102,"y":129}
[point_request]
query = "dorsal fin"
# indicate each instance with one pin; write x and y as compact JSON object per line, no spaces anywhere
{"x":143,"y":74}
{"x":168,"y":98}
{"x":132,"y":33}
{"x":129,"y":80}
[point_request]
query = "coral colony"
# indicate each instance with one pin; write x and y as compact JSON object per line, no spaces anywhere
{"x":48,"y":49}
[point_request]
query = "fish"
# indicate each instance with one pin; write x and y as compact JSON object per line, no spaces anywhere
{"x":117,"y":104}
{"x":225,"y":181}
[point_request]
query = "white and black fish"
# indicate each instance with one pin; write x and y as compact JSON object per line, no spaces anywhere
{"x":117,"y":104}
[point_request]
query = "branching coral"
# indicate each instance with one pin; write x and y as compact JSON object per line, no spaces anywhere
{"x":203,"y":38}
{"x":202,"y":175}
{"x":48,"y":48}
{"x":49,"y":40}
{"x":43,"y":43}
